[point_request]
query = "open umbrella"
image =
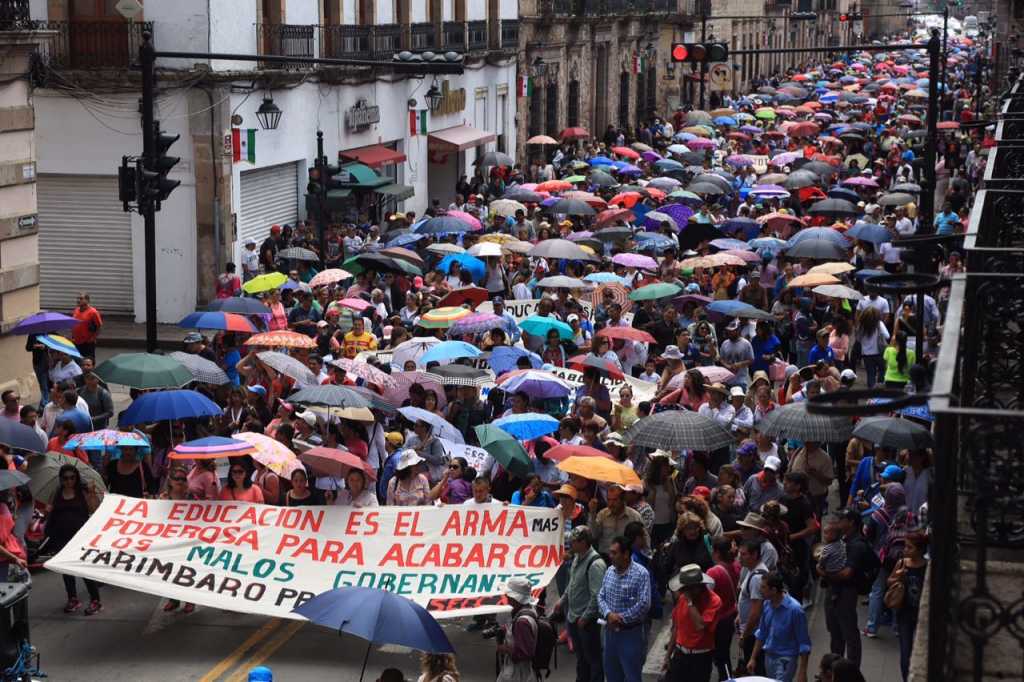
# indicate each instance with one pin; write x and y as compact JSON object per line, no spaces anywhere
{"x":364,"y":371}
{"x":654,"y":291}
{"x":793,"y":421}
{"x":821,"y":249}
{"x":43,"y":322}
{"x":599,"y":469}
{"x":242,"y":306}
{"x":442,"y":224}
{"x":505,"y":358}
{"x":537,"y":325}
{"x":44,"y":475}
{"x":535,"y":383}
{"x":60,"y":344}
{"x":297,"y":253}
{"x":476,"y":267}
{"x":412,"y":350}
{"x":477,"y":323}
{"x":627,"y":333}
{"x":560,"y":249}
{"x":271,"y":453}
{"x":443,"y":318}
{"x":442,"y":428}
{"x":230,"y":322}
{"x":336,"y":463}
{"x":460,"y":375}
{"x":106,"y":439}
{"x":144,"y":371}
{"x":560,"y":453}
{"x":893,"y":432}
{"x":472,"y":295}
{"x":838,"y":291}
{"x":18,"y":436}
{"x":571,"y":207}
{"x":211,"y":447}
{"x":677,"y":430}
{"x":167,"y":406}
{"x":446,"y":351}
{"x":399,"y":393}
{"x":266,"y":282}
{"x":896,"y":199}
{"x":330,"y":395}
{"x":562,"y":282}
{"x":506,"y":450}
{"x":288,"y":366}
{"x":527,"y":426}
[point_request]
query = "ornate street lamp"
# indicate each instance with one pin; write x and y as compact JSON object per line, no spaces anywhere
{"x":269,"y":114}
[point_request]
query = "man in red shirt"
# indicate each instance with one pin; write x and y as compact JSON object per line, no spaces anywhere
{"x":84,"y":334}
{"x":694,"y":619}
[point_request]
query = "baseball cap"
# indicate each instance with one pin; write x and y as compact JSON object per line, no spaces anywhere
{"x":275,"y":229}
{"x":497,"y":300}
{"x":394,"y":437}
{"x":193,"y":337}
{"x":308,"y":417}
{"x":848,"y":375}
{"x":773,"y":463}
{"x":746,"y":450}
{"x":702,"y":491}
{"x":892,"y":471}
{"x":259,"y":390}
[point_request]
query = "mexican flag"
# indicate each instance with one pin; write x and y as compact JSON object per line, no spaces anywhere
{"x":243,"y":144}
{"x":638,"y":63}
{"x":524,"y":86}
{"x":418,"y":122}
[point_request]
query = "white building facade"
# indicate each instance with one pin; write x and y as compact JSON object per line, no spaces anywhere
{"x":403,"y":152}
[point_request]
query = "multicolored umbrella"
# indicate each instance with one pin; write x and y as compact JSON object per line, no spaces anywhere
{"x":229,"y":322}
{"x":442,"y":318}
{"x":330,"y":276}
{"x":620,"y":295}
{"x":107,"y":439}
{"x":364,"y":371}
{"x":211,"y":447}
{"x":59,"y":344}
{"x":144,"y":371}
{"x":477,"y":323}
{"x":271,"y":453}
{"x":281,"y":339}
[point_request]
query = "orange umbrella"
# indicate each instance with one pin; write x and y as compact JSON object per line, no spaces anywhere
{"x":599,"y":469}
{"x":554,"y":186}
{"x":619,"y":294}
{"x":655,"y":193}
{"x":627,"y":199}
{"x":813,"y":279}
{"x":626,"y":152}
{"x":281,"y":339}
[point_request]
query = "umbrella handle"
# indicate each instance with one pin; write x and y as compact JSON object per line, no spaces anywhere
{"x":366,"y":659}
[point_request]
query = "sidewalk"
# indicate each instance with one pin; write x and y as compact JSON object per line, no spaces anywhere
{"x":124,"y":332}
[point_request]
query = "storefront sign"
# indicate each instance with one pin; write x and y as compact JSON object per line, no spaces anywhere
{"x":361,"y":116}
{"x":452,"y":101}
{"x":267,"y":560}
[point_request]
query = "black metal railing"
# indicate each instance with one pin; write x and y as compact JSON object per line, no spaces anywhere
{"x":477,"y":31}
{"x":509,"y":34}
{"x":14,"y":14}
{"x":342,"y":42}
{"x":453,"y":35}
{"x":286,"y":40}
{"x":423,"y":36}
{"x":977,"y":513}
{"x":92,"y":44}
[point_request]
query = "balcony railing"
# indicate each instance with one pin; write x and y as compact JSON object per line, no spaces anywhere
{"x":509,"y":34}
{"x":92,"y":44}
{"x":286,"y":40}
{"x":477,"y":31}
{"x":14,"y":14}
{"x":360,"y":42}
{"x":453,"y":35}
{"x":423,"y":36}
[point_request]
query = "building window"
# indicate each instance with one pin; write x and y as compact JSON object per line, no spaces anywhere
{"x":624,"y":100}
{"x":537,"y":111}
{"x":572,"y":111}
{"x":641,"y":99}
{"x":652,"y":88}
{"x":552,"y":110}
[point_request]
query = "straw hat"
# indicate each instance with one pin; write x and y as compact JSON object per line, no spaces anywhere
{"x":719,"y":388}
{"x":755,"y":521}
{"x":688,"y":576}
{"x":567,"y":490}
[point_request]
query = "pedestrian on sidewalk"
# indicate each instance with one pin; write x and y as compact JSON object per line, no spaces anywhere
{"x":782,"y":633}
{"x":579,"y":605}
{"x":749,"y":601}
{"x":623,"y":601}
{"x":844,"y":586}
{"x":694,"y":623}
{"x":85,"y":333}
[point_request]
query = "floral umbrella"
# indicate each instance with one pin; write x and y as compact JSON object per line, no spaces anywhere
{"x":271,"y":453}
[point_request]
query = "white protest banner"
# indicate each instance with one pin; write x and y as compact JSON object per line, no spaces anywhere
{"x":267,"y":560}
{"x":478,"y":458}
{"x":520,"y":309}
{"x":760,"y":163}
{"x":642,"y":390}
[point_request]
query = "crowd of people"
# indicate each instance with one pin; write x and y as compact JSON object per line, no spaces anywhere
{"x":714,"y":266}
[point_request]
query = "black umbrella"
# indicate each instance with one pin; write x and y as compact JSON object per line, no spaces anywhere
{"x":714,"y":179}
{"x":693,"y":234}
{"x":611,"y":234}
{"x":596,"y":244}
{"x":906,"y":187}
{"x":820,"y":167}
{"x":380,"y":263}
{"x":239,"y":305}
{"x":678,"y":430}
{"x":523,"y":195}
{"x":705,"y":188}
{"x":800,"y":179}
{"x":819,"y":249}
{"x":794,"y":422}
{"x":17,"y":436}
{"x":602,"y":179}
{"x":12,"y":479}
{"x":896,"y":199}
{"x":297,"y":253}
{"x":571,"y":207}
{"x":834,"y":208}
{"x":893,"y":432}
{"x":494,"y":158}
{"x":690,"y":157}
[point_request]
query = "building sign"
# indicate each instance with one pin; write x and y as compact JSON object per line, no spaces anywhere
{"x":720,"y":77}
{"x":452,"y":101}
{"x":361,"y":116}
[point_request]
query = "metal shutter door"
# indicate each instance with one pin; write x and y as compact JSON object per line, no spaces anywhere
{"x":85,"y":243}
{"x":269,"y":196}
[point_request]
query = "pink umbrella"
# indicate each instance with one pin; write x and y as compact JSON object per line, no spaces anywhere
{"x":716,"y":374}
{"x":860,"y":181}
{"x":355,"y":304}
{"x":749,"y":256}
{"x":635,"y":260}
{"x":466,"y":218}
{"x":700,"y":143}
{"x":398,"y":392}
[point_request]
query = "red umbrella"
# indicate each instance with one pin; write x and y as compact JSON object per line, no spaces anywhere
{"x":554,"y":186}
{"x":562,"y":452}
{"x":742,"y":137}
{"x":948,"y":125}
{"x":472,"y":295}
{"x":626,"y":152}
{"x":337,"y":463}
{"x":582,"y":362}
{"x":574,"y":133}
{"x":627,"y":199}
{"x":627,"y":333}
{"x":804,"y":129}
{"x":811,"y":194}
{"x":611,"y":215}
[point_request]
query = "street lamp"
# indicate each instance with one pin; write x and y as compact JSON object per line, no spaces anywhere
{"x":269,"y":114}
{"x":434,"y":96}
{"x":539,"y":67}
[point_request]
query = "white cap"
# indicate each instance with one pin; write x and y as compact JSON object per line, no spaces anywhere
{"x":847,"y":375}
{"x":773,"y":463}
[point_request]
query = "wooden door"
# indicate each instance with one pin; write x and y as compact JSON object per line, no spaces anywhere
{"x":97,"y":35}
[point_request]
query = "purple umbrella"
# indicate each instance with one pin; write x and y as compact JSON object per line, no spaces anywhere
{"x":477,"y":323}
{"x":651,"y":157}
{"x":700,"y":143}
{"x":635,"y":260}
{"x":550,"y":201}
{"x":654,"y":219}
{"x":681,"y":213}
{"x":629,"y":169}
{"x":43,"y":322}
{"x":786,"y":158}
{"x":770,"y":191}
{"x":739,"y":161}
{"x":860,"y":181}
{"x":751,"y":130}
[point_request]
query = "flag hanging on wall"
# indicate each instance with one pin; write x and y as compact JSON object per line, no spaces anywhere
{"x":638,"y":63}
{"x":418,"y":122}
{"x":243,"y":144}
{"x":524,"y":86}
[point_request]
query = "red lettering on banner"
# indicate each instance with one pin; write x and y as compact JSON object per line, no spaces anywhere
{"x":486,"y":522}
{"x":140,"y":507}
{"x":407,"y":524}
{"x":330,"y":551}
{"x":362,"y":523}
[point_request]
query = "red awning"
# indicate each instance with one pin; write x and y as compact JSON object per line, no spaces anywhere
{"x":458,"y":138}
{"x":375,"y":156}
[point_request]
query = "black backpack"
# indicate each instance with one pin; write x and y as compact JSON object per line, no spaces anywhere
{"x":866,"y":572}
{"x":546,"y":642}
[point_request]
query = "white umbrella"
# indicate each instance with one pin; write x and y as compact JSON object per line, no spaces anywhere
{"x":445,"y":248}
{"x":412,"y":350}
{"x":506,"y":207}
{"x":838,"y":291}
{"x":485,"y":249}
{"x":442,"y":428}
{"x":287,"y":365}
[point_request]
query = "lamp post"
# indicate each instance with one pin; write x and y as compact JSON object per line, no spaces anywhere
{"x":269,"y":114}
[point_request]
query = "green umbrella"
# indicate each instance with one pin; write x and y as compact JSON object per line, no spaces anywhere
{"x":505,"y":449}
{"x":143,"y":371}
{"x":44,"y":475}
{"x":575,"y":178}
{"x":654,"y":291}
{"x":352,"y":265}
{"x":683,"y":194}
{"x":265,"y":282}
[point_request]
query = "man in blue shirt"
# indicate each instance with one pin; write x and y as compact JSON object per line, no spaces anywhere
{"x":947,"y":221}
{"x":623,"y":602}
{"x":782,"y":633}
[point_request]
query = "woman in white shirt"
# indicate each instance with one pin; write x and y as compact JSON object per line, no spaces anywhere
{"x":356,"y":493}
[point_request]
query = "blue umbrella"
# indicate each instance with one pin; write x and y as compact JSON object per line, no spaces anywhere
{"x":738,"y":309}
{"x":843,"y":193}
{"x":601,"y":161}
{"x":743,"y":228}
{"x":449,"y":350}
{"x":730,"y":244}
{"x":667,"y":165}
{"x":406,"y":239}
{"x":504,"y":358}
{"x":475,"y":266}
{"x":379,"y":617}
{"x":651,"y":239}
{"x":769,"y":245}
{"x":537,"y":385}
{"x":527,"y":426}
{"x":442,"y":223}
{"x":16,"y":435}
{"x":605,"y":277}
{"x":826,"y":233}
{"x":537,"y":325}
{"x":43,"y":322}
{"x":168,"y":405}
{"x":870,"y":232}
{"x":725,"y":121}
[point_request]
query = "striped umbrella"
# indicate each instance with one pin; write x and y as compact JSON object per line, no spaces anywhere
{"x":281,"y":339}
{"x":364,"y":371}
{"x":795,"y":422}
{"x":204,"y":371}
{"x":620,"y":295}
{"x":678,"y":430}
{"x":399,"y":393}
{"x":477,"y":323}
{"x":211,"y":447}
{"x":271,"y":454}
{"x":460,"y":375}
{"x":442,"y":318}
{"x":230,"y":322}
{"x":60,"y":344}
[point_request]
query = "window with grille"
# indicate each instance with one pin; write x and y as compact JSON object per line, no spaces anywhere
{"x":573,"y":105}
{"x":537,"y":111}
{"x":641,"y":99}
{"x":624,"y":99}
{"x":552,"y":110}
{"x":652,"y":88}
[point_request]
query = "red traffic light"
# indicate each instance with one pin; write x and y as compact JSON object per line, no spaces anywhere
{"x":679,"y":52}
{"x":844,"y":18}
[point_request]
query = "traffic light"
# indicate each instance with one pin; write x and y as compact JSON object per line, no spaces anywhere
{"x":152,"y":183}
{"x":323,"y":187}
{"x":803,"y":16}
{"x":126,"y":183}
{"x":700,"y":53}
{"x":843,"y":18}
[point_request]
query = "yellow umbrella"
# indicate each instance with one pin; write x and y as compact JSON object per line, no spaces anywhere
{"x":813,"y":279}
{"x":599,"y":469}
{"x":497,"y":237}
{"x":835,"y":268}
{"x":442,"y":318}
{"x":266,"y":282}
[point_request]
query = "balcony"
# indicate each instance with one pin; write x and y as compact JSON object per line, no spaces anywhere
{"x":477,"y":36}
{"x":509,"y":34}
{"x":286,"y":40}
{"x":14,"y":14}
{"x":360,"y":42}
{"x":92,"y":44}
{"x":423,"y":36}
{"x":453,"y":35}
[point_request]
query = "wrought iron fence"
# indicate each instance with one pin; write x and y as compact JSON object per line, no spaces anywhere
{"x":477,"y":35}
{"x":286,"y":40}
{"x":14,"y":14}
{"x":423,"y":36}
{"x":380,"y":41}
{"x":92,"y":44}
{"x":977,"y":518}
{"x":453,"y":35}
{"x":509,"y":34}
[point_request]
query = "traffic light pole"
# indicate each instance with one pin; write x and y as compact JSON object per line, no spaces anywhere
{"x":321,"y":218}
{"x":147,"y":207}
{"x":703,"y":65}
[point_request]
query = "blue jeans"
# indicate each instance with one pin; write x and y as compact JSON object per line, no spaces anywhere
{"x":876,"y":608}
{"x":780,"y":668}
{"x":874,"y":366}
{"x":624,"y":654}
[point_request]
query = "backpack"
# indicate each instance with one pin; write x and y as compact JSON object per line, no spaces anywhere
{"x":866,"y":572}
{"x":895,"y":538}
{"x":546,"y":642}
